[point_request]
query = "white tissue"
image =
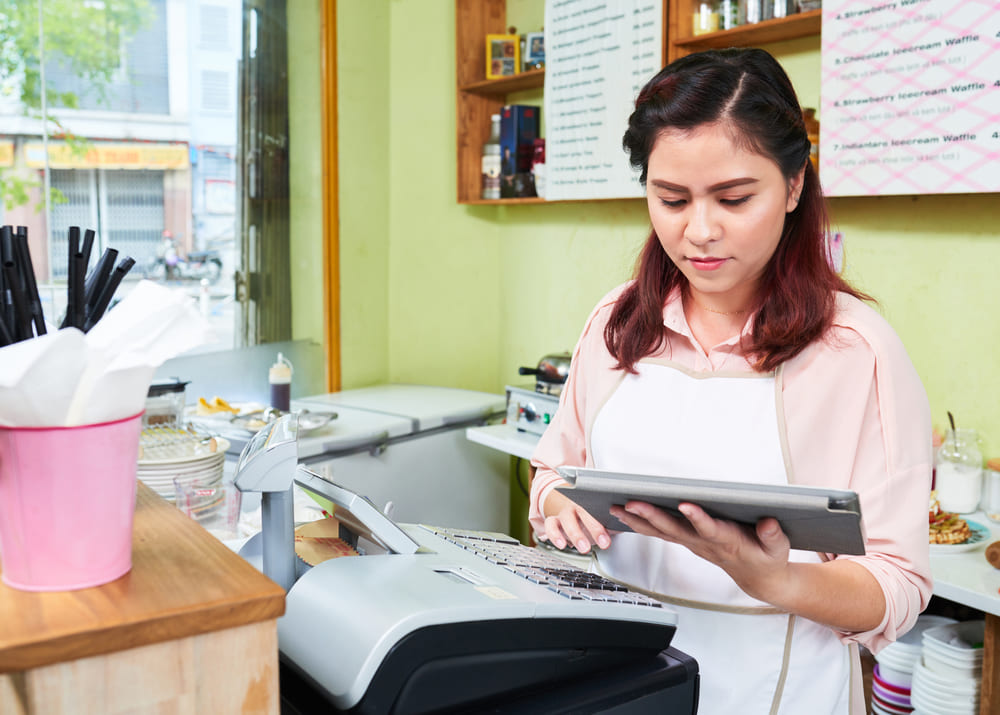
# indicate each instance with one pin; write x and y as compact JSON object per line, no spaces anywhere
{"x":67,"y":378}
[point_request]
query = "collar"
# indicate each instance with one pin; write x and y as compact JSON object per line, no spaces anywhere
{"x":675,"y":320}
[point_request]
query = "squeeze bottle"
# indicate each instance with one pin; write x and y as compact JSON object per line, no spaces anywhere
{"x":280,"y":379}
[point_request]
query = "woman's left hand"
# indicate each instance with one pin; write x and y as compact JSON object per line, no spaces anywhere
{"x":756,"y":558}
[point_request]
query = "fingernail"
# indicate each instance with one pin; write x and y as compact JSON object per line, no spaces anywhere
{"x":604,"y":542}
{"x":583,"y":546}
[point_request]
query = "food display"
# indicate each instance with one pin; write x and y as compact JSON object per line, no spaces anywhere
{"x":945,"y":527}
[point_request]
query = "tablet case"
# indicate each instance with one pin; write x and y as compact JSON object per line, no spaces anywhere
{"x":813,"y":518}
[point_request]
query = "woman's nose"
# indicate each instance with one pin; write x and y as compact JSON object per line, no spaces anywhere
{"x":701,"y":227}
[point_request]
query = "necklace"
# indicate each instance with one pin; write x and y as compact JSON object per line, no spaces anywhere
{"x":718,"y":312}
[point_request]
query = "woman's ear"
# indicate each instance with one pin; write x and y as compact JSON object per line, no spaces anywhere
{"x":795,"y":185}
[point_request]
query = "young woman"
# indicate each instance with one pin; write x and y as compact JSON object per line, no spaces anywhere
{"x":738,"y":353}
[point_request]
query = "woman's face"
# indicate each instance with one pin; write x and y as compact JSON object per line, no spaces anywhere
{"x":718,"y":211}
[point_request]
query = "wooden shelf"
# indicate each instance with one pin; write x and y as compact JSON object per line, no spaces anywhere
{"x":803,"y":24}
{"x":500,"y":88}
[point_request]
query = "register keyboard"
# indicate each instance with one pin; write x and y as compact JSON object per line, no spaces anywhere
{"x":535,"y":566}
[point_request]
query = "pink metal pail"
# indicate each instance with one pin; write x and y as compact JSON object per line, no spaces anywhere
{"x":67,"y":498}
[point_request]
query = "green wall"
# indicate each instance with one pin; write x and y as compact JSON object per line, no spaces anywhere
{"x":440,"y":293}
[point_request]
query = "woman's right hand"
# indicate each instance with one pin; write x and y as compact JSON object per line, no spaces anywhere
{"x":568,"y":523}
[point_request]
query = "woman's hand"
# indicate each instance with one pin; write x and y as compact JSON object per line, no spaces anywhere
{"x":569,"y":523}
{"x":756,"y":558}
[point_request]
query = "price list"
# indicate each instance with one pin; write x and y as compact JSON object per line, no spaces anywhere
{"x":910,"y":97}
{"x":598,"y":55}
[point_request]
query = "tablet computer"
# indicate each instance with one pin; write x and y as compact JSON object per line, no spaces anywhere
{"x":813,"y":518}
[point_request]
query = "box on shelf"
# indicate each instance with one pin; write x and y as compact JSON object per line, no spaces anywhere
{"x":519,"y":125}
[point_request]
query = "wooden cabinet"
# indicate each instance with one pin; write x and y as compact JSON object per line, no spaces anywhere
{"x":476,"y":98}
{"x":681,"y":39}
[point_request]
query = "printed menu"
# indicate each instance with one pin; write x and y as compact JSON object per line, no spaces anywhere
{"x":910,"y":97}
{"x":598,"y":55}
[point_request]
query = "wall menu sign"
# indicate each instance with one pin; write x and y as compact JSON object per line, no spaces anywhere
{"x":910,"y":97}
{"x":598,"y":55}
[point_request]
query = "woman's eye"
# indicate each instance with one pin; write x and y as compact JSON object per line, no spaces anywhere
{"x":672,"y":203}
{"x":735,"y":202}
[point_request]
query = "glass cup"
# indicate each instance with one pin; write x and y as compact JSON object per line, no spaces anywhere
{"x":991,"y":490}
{"x":212,"y":503}
{"x":958,"y":471}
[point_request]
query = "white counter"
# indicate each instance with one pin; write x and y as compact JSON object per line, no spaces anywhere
{"x":505,"y":438}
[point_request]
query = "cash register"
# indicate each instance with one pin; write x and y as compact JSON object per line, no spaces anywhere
{"x":431,"y":619}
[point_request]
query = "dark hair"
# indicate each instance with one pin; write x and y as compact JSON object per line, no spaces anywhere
{"x":749,"y":92}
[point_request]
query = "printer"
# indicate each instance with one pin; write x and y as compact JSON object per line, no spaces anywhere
{"x":431,"y":619}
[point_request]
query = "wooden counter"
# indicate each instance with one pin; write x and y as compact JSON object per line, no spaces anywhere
{"x":192,"y":628}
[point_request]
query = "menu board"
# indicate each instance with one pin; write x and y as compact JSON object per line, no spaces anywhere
{"x":598,"y":55}
{"x":910,"y":97}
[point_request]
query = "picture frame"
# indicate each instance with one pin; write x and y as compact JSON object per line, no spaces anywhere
{"x":503,"y":56}
{"x":534,"y":50}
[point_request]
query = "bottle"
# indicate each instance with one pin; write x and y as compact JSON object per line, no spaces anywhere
{"x":491,"y":161}
{"x":812,"y":131}
{"x":958,"y":471}
{"x":538,"y":166}
{"x":280,"y":379}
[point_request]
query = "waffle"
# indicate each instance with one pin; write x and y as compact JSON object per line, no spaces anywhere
{"x":945,"y":527}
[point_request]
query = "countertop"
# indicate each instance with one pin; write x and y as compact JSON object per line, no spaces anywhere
{"x":965,"y":576}
{"x":183,"y":582}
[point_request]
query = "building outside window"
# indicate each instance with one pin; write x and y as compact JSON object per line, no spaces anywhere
{"x":138,"y":131}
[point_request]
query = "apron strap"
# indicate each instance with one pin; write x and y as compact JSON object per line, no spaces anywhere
{"x":687,"y":603}
{"x":786,"y":656}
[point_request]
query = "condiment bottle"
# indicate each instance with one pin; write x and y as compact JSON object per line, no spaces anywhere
{"x":491,"y":161}
{"x":958,"y":471}
{"x":280,"y":379}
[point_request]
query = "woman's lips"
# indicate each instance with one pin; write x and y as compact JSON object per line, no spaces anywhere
{"x":707,"y":264}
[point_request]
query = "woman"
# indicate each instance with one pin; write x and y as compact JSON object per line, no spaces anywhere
{"x":738,"y":353}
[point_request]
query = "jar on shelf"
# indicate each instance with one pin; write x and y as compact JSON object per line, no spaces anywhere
{"x":706,"y":18}
{"x":958,"y":471}
{"x":991,"y":490}
{"x":729,"y":14}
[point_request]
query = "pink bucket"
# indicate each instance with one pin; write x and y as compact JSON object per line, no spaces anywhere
{"x":67,"y":498}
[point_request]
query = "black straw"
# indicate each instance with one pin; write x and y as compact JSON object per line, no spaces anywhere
{"x":23,"y":251}
{"x":98,"y":277}
{"x":108,"y":291}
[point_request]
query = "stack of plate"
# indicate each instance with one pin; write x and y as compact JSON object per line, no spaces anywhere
{"x":190,"y":461}
{"x":947,"y":679}
{"x":887,"y":697}
{"x":893,"y":676}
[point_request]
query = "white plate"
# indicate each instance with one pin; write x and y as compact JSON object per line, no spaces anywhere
{"x":172,"y":470}
{"x":222,"y":444}
{"x":980,"y":534}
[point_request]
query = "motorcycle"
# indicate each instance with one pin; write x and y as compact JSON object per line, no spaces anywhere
{"x":194,"y":266}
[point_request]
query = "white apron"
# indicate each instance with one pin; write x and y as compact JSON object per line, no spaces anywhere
{"x":752,"y":658}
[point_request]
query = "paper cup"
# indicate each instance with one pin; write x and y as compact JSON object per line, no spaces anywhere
{"x":67,"y":499}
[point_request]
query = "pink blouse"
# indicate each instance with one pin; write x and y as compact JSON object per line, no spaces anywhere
{"x":856,"y":417}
